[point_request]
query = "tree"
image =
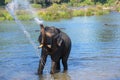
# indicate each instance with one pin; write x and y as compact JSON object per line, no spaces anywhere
{"x":2,"y":2}
{"x":35,"y":1}
{"x":64,"y":1}
{"x":100,"y":1}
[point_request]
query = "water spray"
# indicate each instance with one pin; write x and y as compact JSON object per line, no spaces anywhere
{"x":38,"y":21}
{"x":11,"y":8}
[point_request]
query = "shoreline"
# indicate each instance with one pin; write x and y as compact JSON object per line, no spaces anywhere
{"x":58,"y":12}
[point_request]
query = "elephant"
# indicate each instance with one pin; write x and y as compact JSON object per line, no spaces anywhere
{"x":55,"y":43}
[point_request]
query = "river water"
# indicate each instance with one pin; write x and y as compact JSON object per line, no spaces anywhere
{"x":95,"y":53}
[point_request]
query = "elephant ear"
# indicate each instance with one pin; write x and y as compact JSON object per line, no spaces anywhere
{"x":59,"y":41}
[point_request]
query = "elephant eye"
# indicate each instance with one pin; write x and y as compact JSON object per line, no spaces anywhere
{"x":48,"y":40}
{"x":50,"y":29}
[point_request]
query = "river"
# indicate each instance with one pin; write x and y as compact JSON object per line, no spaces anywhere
{"x":95,"y":53}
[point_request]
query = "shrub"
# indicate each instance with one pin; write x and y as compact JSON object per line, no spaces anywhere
{"x":99,"y":7}
{"x":78,"y":12}
{"x":89,"y":12}
{"x":24,"y":17}
{"x":5,"y":15}
{"x":2,"y":18}
{"x":21,"y":12}
{"x":55,"y":12}
{"x":99,"y":12}
{"x":36,"y":6}
{"x":7,"y":1}
{"x":118,"y":9}
{"x":88,"y":2}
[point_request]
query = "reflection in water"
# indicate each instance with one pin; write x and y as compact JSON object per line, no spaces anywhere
{"x":106,"y":35}
{"x":61,"y":76}
{"x":107,"y":32}
{"x":57,"y":76}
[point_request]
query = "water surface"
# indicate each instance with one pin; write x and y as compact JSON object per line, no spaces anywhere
{"x":95,"y":53}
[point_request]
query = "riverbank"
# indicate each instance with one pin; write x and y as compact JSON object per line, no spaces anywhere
{"x":57,"y":12}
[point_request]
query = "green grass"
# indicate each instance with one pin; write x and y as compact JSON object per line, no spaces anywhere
{"x":4,"y":15}
{"x":2,"y":18}
{"x":36,"y":6}
{"x":24,"y":17}
{"x":55,"y":12}
{"x":98,"y":10}
{"x":118,"y":9}
{"x":78,"y":13}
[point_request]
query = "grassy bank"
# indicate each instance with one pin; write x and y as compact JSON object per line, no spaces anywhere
{"x":90,"y":11}
{"x":57,"y":12}
{"x":4,"y":15}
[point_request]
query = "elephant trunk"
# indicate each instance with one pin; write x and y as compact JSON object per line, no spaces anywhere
{"x":43,"y":36}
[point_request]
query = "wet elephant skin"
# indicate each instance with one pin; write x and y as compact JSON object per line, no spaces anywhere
{"x":55,"y":43}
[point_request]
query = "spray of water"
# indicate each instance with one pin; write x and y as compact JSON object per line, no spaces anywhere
{"x":16,"y":5}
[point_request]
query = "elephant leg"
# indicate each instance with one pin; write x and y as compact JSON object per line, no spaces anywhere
{"x":65,"y":65}
{"x":58,"y":66}
{"x":53,"y":67}
{"x":42,"y":64}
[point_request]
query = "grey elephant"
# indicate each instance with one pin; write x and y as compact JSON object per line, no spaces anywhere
{"x":55,"y":43}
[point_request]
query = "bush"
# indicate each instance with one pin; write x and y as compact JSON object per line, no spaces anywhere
{"x":24,"y":17}
{"x":21,"y":12}
{"x":99,"y":7}
{"x":7,"y":1}
{"x":89,"y":12}
{"x":78,"y":12}
{"x":88,"y":2}
{"x":118,"y":9}
{"x":36,"y":6}
{"x":55,"y":12}
{"x":7,"y":16}
{"x":4,"y":15}
{"x":2,"y":18}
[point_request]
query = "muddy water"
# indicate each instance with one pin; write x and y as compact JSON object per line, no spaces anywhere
{"x":95,"y":53}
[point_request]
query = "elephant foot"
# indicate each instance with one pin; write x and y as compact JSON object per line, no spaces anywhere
{"x":65,"y":71}
{"x":56,"y":71}
{"x":40,"y":72}
{"x":51,"y":72}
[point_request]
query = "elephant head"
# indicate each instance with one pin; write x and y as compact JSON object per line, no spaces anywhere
{"x":49,"y":37}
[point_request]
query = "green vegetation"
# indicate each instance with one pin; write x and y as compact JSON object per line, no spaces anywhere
{"x":55,"y":12}
{"x":58,"y":9}
{"x":46,"y":3}
{"x":118,"y":9}
{"x":23,"y":15}
{"x":4,"y":15}
{"x":2,"y":2}
{"x":7,"y":1}
{"x":36,"y":6}
{"x":98,"y":10}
